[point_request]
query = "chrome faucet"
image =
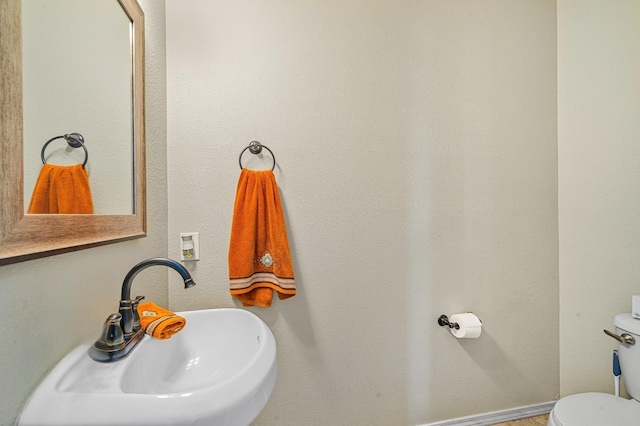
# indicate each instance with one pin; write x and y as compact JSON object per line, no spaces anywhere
{"x":122,"y":331}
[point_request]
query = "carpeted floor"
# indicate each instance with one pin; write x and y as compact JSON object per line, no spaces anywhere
{"x":532,"y":421}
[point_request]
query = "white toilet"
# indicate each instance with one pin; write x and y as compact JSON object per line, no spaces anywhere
{"x":603,"y":409}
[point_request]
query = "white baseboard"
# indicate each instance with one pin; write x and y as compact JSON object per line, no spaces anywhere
{"x":501,"y":416}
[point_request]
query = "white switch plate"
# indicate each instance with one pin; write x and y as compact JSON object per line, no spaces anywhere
{"x":196,"y":246}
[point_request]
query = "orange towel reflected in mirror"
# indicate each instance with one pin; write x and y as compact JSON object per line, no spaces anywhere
{"x":259,"y":257}
{"x":61,"y":190}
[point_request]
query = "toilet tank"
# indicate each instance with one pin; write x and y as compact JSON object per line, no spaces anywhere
{"x":629,"y":354}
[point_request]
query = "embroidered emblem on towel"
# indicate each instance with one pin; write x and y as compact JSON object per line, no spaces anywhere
{"x":149,"y":313}
{"x":267,"y":260}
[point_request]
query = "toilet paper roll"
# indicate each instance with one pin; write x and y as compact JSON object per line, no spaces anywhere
{"x":470,"y":326}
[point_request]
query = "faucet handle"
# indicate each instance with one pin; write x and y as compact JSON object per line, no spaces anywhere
{"x":112,"y":335}
{"x":127,"y":318}
{"x":134,"y":308}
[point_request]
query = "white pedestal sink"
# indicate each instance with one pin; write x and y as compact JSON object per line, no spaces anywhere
{"x":220,"y":370}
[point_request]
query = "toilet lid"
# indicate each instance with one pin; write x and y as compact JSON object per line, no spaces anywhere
{"x":596,"y":409}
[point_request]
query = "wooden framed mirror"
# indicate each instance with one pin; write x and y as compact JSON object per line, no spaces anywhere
{"x":29,"y":236}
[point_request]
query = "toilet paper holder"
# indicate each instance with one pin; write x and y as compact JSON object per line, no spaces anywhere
{"x":443,"y":320}
{"x":465,"y":325}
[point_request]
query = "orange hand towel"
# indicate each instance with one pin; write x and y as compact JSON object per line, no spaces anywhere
{"x":63,"y":190}
{"x":159,"y":322}
{"x":259,"y":257}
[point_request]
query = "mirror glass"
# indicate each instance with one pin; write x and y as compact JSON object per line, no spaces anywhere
{"x":77,"y":78}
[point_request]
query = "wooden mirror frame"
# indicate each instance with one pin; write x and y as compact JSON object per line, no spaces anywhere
{"x":24,"y":237}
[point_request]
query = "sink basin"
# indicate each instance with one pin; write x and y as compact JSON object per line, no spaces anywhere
{"x":219,"y":370}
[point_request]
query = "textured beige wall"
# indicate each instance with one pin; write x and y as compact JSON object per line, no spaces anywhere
{"x":416,"y":144}
{"x":51,"y":305}
{"x":599,"y":182}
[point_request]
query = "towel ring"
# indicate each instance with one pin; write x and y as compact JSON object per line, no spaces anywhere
{"x":255,"y":147}
{"x":74,"y":140}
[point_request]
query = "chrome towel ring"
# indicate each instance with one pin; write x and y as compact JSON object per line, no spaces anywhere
{"x":74,"y":140}
{"x":255,"y":147}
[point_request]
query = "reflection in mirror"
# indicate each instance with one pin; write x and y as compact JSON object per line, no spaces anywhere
{"x":28,"y":236}
{"x":77,"y":77}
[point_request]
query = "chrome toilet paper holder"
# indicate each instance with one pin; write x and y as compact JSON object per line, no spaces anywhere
{"x":443,"y":320}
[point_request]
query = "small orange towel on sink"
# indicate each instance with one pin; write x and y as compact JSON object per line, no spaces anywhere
{"x":259,"y":257}
{"x":61,"y":190}
{"x":159,"y":322}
